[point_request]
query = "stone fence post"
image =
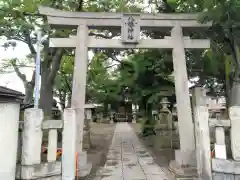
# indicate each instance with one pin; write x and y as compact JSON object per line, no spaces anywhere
{"x":32,"y":139}
{"x":9,"y":122}
{"x":69,"y":144}
{"x":234,"y":114}
{"x":202,"y":135}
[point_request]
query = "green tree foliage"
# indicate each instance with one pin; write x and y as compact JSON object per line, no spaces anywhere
{"x":63,"y":81}
{"x":225,"y":38}
{"x":145,"y":74}
{"x":148,"y":76}
{"x":19,"y":21}
{"x":99,"y":82}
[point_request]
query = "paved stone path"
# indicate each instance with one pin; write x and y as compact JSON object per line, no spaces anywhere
{"x":128,"y":159}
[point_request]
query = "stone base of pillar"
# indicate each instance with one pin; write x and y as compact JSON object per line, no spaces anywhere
{"x":185,"y":158}
{"x":111,"y":122}
{"x":184,"y":164}
{"x":134,"y":121}
{"x":84,"y":167}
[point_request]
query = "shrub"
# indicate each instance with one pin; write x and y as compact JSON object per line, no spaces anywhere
{"x":148,"y":127}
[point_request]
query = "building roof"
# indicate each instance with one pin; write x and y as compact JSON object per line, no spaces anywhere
{"x":9,"y":92}
{"x":89,"y":106}
{"x":7,"y":95}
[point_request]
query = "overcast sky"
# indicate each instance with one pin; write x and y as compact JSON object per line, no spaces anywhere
{"x":11,"y":80}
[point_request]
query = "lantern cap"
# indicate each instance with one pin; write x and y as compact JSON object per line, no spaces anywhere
{"x":164,"y":101}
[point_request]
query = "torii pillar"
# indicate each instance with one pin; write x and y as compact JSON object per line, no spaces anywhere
{"x":78,"y":93}
{"x":186,"y":155}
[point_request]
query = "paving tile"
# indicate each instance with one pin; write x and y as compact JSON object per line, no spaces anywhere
{"x":112,"y":178}
{"x":146,"y":161}
{"x":127,"y":158}
{"x":156,"y":177}
{"x":152,"y":169}
{"x":132,"y":172}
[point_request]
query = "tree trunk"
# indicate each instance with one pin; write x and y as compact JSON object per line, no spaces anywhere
{"x":69,"y":99}
{"x":235,"y":90}
{"x":29,"y":89}
{"x":62,"y":97}
{"x":235,"y":94}
{"x":49,"y":69}
{"x":28,"y":85}
{"x":46,"y":100}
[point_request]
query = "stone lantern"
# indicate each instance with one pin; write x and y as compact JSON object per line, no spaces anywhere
{"x":164,"y":126}
{"x":165,"y":104}
{"x":165,"y":115}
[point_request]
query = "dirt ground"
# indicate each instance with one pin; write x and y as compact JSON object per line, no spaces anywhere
{"x":162,"y":157}
{"x":101,"y":138}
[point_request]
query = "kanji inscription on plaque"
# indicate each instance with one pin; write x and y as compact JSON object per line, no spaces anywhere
{"x":130,"y":31}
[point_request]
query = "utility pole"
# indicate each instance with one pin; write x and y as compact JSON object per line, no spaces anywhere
{"x":37,"y":74}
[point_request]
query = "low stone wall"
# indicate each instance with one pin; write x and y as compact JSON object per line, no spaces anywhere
{"x":225,"y":169}
{"x":30,"y":162}
{"x":45,"y":171}
{"x":222,"y":136}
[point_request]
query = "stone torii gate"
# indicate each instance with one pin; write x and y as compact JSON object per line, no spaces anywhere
{"x":131,"y":25}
